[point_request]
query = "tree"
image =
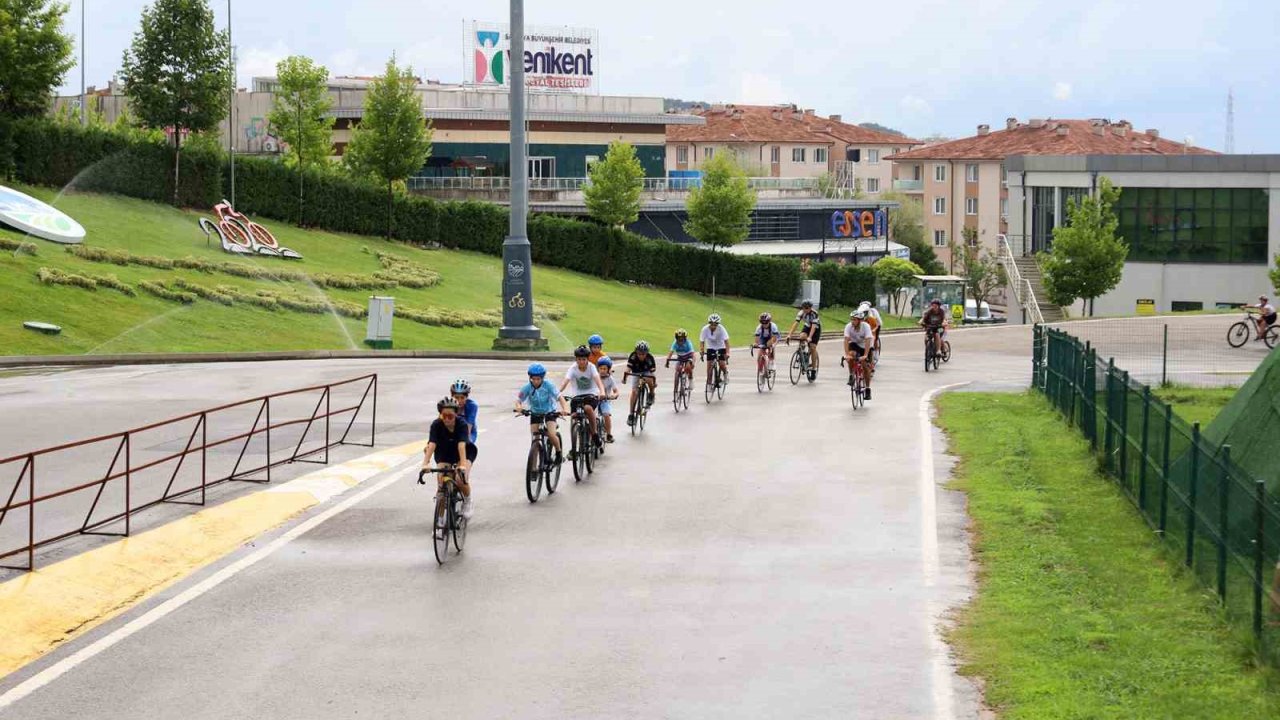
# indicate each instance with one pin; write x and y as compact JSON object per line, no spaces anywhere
{"x":906,"y":227}
{"x":298,"y":116}
{"x":983,"y":272}
{"x":34,"y":56}
{"x":1087,"y":258}
{"x":177,"y":72}
{"x":392,"y":141}
{"x":613,"y":196}
{"x":1275,"y":275}
{"x":894,"y":275}
{"x":720,"y":210}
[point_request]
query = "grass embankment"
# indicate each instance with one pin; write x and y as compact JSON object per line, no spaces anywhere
{"x":1078,"y":614}
{"x":1196,"y":404}
{"x":108,"y":321}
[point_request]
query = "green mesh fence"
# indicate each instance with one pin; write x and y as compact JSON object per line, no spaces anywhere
{"x":1205,"y":494}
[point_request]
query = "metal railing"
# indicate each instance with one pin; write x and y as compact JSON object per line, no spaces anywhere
{"x":141,"y":461}
{"x":1022,"y":289}
{"x":908,"y":185}
{"x":1217,"y":519}
{"x":659,"y":185}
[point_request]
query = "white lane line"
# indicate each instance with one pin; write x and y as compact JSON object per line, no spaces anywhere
{"x":943,"y":693}
{"x":60,"y":668}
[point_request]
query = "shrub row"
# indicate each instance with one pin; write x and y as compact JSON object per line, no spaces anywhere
{"x":845,"y":284}
{"x":19,"y":247}
{"x":53,"y":276}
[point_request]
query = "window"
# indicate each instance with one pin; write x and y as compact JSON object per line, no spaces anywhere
{"x":971,"y":172}
{"x":820,"y":155}
{"x":797,"y":155}
{"x":1187,"y":305}
{"x":1208,"y":225}
{"x":1004,"y":207}
{"x":873,"y":156}
{"x":940,"y":238}
{"x":775,"y":154}
{"x":916,"y":171}
{"x":873,"y":185}
{"x":707,"y":153}
{"x":970,"y":206}
{"x":682,"y":154}
{"x":940,"y":173}
{"x":940,"y":206}
{"x":1004,"y":175}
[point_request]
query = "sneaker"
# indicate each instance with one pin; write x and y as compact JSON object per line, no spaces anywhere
{"x":608,"y":438}
{"x":559,"y":457}
{"x":866,"y":393}
{"x":648,"y":404}
{"x":631,"y":420}
{"x":850,"y":381}
{"x":466,"y":508}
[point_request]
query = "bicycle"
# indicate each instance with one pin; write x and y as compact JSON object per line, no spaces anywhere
{"x":680,"y":396}
{"x":447,"y":520}
{"x":582,"y":445}
{"x":719,"y":380}
{"x":1241,"y":330}
{"x":933,"y":352}
{"x":800,"y":364}
{"x":642,"y":404}
{"x":858,"y":386}
{"x":541,"y":469}
{"x":765,"y":372}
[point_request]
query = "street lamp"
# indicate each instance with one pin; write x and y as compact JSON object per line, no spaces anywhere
{"x":518,"y":331}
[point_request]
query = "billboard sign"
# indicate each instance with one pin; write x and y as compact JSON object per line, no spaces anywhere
{"x":556,"y":59}
{"x":860,"y":224}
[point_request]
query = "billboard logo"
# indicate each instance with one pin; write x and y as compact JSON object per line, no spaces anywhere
{"x":489,"y":57}
{"x":855,"y":224}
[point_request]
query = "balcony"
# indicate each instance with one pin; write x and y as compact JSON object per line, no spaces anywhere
{"x":546,"y":189}
{"x":908,"y":185}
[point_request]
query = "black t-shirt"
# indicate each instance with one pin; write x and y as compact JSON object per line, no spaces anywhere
{"x":934,"y":317}
{"x":447,"y":441}
{"x":636,"y":366}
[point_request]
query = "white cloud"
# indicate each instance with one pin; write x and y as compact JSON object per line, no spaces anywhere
{"x":259,"y":62}
{"x":914,"y":105}
{"x":759,"y":89}
{"x":1062,"y":91}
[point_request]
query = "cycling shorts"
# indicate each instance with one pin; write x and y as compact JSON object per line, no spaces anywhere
{"x":813,"y":332}
{"x":535,"y":418}
{"x":686,"y":357}
{"x":1270,"y":319}
{"x":857,"y":351}
{"x":589,"y":400}
{"x":716,"y":354}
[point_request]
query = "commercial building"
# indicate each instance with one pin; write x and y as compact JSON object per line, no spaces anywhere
{"x":1202,"y":229}
{"x":964,"y":183}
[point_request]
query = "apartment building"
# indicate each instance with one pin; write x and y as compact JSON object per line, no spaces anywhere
{"x":964,"y":183}
{"x":787,"y":141}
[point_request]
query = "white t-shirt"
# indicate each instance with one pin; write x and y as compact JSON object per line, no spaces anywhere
{"x":582,"y":382}
{"x":717,"y":340}
{"x":610,"y":384}
{"x":860,"y":336}
{"x":1267,"y":309}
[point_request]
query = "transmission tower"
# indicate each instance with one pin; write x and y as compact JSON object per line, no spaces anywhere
{"x":1230,"y":145}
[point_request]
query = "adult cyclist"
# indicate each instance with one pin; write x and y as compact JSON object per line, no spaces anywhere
{"x":935,"y":319}
{"x":767,"y":336}
{"x":683,"y":351}
{"x":447,"y":444}
{"x":713,"y":345}
{"x":642,"y":367}
{"x":543,"y":402}
{"x":872,"y":315}
{"x":859,"y":341}
{"x":1266,"y":315}
{"x":811,"y":331}
{"x":585,"y":387}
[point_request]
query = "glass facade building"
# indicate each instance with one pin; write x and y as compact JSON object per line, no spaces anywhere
{"x":1205,"y":225}
{"x":466,"y":159}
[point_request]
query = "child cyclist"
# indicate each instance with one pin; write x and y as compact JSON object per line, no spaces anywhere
{"x":584,"y":380}
{"x":683,"y":351}
{"x":595,"y":344}
{"x":543,"y":402}
{"x":641,"y":366}
{"x":767,"y":336}
{"x":611,"y":393}
{"x":448,"y":444}
{"x":468,"y":410}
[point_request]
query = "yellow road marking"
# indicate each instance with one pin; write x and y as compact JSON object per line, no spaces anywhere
{"x":43,"y":609}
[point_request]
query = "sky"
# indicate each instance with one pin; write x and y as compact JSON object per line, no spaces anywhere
{"x":923,"y":67}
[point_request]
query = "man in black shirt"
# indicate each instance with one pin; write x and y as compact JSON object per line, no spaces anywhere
{"x":643,"y":367}
{"x":449,"y":443}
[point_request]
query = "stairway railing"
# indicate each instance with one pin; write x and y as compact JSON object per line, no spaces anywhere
{"x":1022,"y":290}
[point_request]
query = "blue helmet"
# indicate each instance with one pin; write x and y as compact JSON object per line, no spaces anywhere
{"x":595,"y":340}
{"x":604,"y":362}
{"x":536,"y":370}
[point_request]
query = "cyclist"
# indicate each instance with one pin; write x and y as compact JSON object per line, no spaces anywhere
{"x":611,"y":393}
{"x":713,"y":345}
{"x":595,"y":344}
{"x":468,"y":410}
{"x":543,"y":402}
{"x":859,"y":341}
{"x":872,"y":315}
{"x":587,"y":387}
{"x":935,"y":318}
{"x":767,"y":336}
{"x":811,"y":331}
{"x":1266,"y":315}
{"x":683,"y":351}
{"x":641,"y":366}
{"x":447,"y":444}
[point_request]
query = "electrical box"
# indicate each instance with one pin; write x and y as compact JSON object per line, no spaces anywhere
{"x":381,"y":312}
{"x":810,"y":290}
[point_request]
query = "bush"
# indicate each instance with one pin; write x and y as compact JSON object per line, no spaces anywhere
{"x":844,"y":284}
{"x":19,"y":247}
{"x":164,"y":292}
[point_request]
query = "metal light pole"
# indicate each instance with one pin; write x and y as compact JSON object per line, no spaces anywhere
{"x":231,"y":111}
{"x":518,"y":330}
{"x":84,"y":99}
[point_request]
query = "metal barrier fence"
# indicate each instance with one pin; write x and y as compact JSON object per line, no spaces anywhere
{"x":145,"y":465}
{"x":1223,"y":524}
{"x":571,"y":184}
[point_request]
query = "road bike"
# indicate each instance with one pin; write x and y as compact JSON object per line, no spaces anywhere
{"x":765,"y":372}
{"x":542,"y":468}
{"x":583,"y":447}
{"x":933,"y":351}
{"x":719,"y":379}
{"x":1240,"y":332}
{"x":447,"y":519}
{"x":857,"y":382}
{"x":800,"y":364}
{"x":680,"y":395}
{"x":642,"y":404}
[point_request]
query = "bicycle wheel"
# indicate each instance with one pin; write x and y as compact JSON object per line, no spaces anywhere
{"x":588,"y":443}
{"x":1272,"y":336}
{"x":724,"y":383}
{"x":762,"y":375}
{"x":533,"y":470}
{"x":552,"y":468}
{"x":928,"y":353}
{"x":1238,"y":334}
{"x":678,"y":390}
{"x":771,"y":375}
{"x":440,"y":525}
{"x":459,"y":523}
{"x":855,"y":390}
{"x":710,"y":390}
{"x":946,"y":351}
{"x":797,"y":367}
{"x":579,"y":452}
{"x":598,"y":448}
{"x":686,"y":391}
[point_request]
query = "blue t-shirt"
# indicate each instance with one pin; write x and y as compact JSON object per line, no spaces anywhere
{"x":469,"y":411}
{"x":541,"y":400}
{"x":682,"y":348}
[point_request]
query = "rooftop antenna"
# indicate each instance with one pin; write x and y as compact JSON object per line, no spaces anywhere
{"x":1230,"y":145}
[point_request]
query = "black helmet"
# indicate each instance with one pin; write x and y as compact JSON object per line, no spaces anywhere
{"x":642,"y":346}
{"x":447,"y":403}
{"x":807,"y":304}
{"x":582,"y":352}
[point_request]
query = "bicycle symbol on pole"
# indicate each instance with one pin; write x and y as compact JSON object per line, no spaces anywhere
{"x":516,"y":301}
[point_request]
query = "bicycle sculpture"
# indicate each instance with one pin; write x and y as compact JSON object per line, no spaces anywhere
{"x":241,"y":236}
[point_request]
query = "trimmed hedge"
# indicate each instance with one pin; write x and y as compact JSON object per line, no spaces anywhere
{"x":844,"y":284}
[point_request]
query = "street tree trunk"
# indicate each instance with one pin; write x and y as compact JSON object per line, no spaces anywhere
{"x":177,"y":158}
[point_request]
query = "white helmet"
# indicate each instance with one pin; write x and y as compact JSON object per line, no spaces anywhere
{"x":864,"y":306}
{"x":714,"y":319}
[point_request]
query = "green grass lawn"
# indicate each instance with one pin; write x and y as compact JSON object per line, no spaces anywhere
{"x":105,"y":321}
{"x":1196,"y":404}
{"x":1078,"y":614}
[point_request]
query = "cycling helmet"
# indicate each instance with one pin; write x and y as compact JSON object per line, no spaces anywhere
{"x":460,"y":387}
{"x":936,"y":301}
{"x":642,"y":346}
{"x":582,"y":352}
{"x":765,"y":317}
{"x":447,"y":403}
{"x":537,"y":370}
{"x":595,"y":340}
{"x":681,"y":333}
{"x":714,"y":319}
{"x":857,"y":315}
{"x":806,"y":304}
{"x":604,"y":362}
{"x":864,"y":306}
